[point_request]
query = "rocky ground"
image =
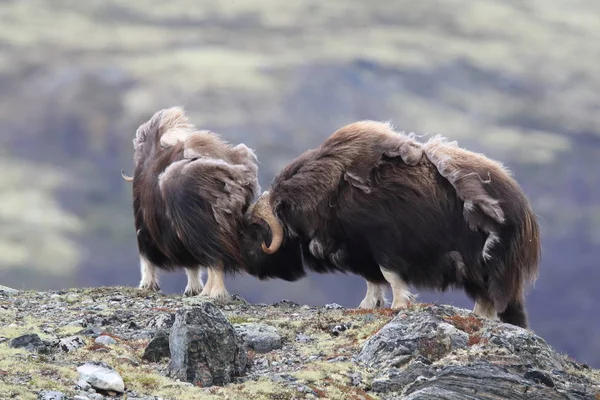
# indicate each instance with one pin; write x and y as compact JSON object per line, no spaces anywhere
{"x":121,"y":343}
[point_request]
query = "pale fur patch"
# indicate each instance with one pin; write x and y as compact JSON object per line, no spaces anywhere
{"x":194,"y":282}
{"x":316,"y":249}
{"x":491,"y":240}
{"x":174,"y":126}
{"x":402,"y":295}
{"x":149,"y":274}
{"x":374,"y":298}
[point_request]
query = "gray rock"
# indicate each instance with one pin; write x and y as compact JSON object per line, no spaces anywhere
{"x":158,"y":347}
{"x":105,"y":340}
{"x":80,"y":397}
{"x":71,"y":343}
{"x":302,"y":338}
{"x":333,"y":306}
{"x":95,"y":396}
{"x":286,"y":304}
{"x":403,"y":338}
{"x":101,"y":376}
{"x":51,"y":395}
{"x":205,"y":347}
{"x":30,"y":342}
{"x":6,"y":289}
{"x":259,"y":337}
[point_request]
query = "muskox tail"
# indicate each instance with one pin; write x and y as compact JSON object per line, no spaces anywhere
{"x":513,"y":265}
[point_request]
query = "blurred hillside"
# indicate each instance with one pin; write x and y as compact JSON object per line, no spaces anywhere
{"x":516,"y":80}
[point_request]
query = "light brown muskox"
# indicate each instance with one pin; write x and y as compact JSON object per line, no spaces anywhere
{"x":190,"y":192}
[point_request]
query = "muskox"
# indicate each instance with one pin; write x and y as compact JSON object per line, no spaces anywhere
{"x":378,"y":203}
{"x":190,"y":192}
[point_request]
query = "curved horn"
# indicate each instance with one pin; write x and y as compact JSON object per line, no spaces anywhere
{"x":262,"y":210}
{"x":126,"y":177}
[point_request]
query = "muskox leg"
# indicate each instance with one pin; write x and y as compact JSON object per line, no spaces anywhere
{"x":374,"y":297}
{"x":485,"y":309}
{"x":194,"y":282}
{"x":215,"y":285}
{"x":515,"y":314}
{"x":149,"y":272}
{"x":399,"y":289}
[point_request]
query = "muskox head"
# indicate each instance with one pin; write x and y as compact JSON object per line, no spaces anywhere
{"x":163,"y":130}
{"x":261,"y":211}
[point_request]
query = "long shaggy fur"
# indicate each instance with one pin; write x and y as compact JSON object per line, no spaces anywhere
{"x":436,"y":215}
{"x":190,"y":192}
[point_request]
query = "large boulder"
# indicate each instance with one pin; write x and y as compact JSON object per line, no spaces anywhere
{"x":205,"y":348}
{"x":444,"y":353}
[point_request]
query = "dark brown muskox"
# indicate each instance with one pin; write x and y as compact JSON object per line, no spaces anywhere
{"x":377,"y":203}
{"x":190,"y":192}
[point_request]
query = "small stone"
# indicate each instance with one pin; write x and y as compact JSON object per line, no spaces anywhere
{"x":78,"y":323}
{"x":80,"y":397}
{"x":259,"y":337}
{"x":337,"y":329}
{"x":286,"y":304}
{"x":30,"y":342}
{"x":91,"y":331}
{"x":71,"y":343}
{"x":158,"y":347}
{"x":302,"y":338}
{"x":51,"y":395}
{"x":355,"y":378}
{"x":128,"y":360}
{"x":333,"y":306}
{"x":105,"y":340}
{"x":95,"y":396}
{"x":101,"y":376}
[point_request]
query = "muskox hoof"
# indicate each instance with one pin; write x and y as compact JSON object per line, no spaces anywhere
{"x":221,"y":294}
{"x":368,"y":304}
{"x":191,"y":292}
{"x":150,"y":286}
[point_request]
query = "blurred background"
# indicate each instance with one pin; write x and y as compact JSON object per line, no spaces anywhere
{"x":516,"y":80}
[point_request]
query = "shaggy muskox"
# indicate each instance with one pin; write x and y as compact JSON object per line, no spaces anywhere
{"x":377,"y":203}
{"x":190,"y":192}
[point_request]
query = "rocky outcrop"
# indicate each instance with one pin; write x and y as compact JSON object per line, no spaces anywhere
{"x":112,"y":343}
{"x":443,"y":353}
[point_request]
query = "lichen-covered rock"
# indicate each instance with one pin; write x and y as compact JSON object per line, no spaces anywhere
{"x":409,"y":335}
{"x":51,"y":395}
{"x":158,"y":347}
{"x":205,"y":348}
{"x":31,"y":342}
{"x":71,"y":343}
{"x":415,"y":359}
{"x":259,"y":337}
